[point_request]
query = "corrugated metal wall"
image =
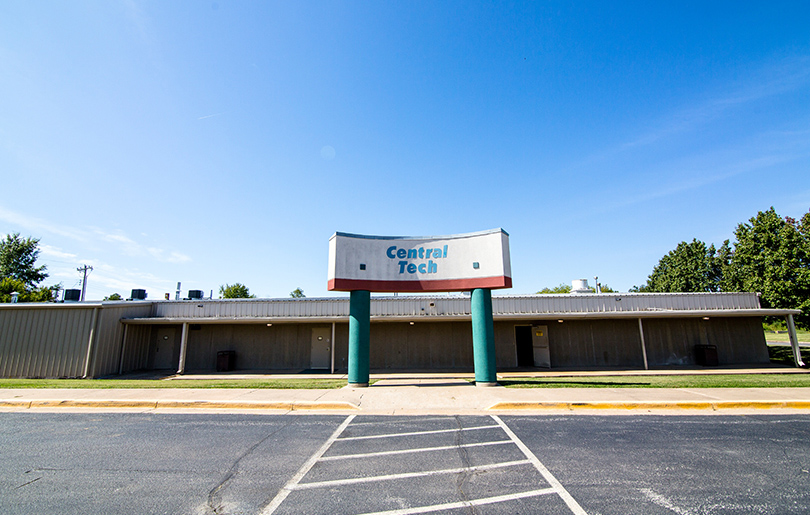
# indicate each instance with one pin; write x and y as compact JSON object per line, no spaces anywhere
{"x":50,"y":340}
{"x":618,"y":302}
{"x":110,"y":332}
{"x":44,"y":342}
{"x":672,"y":341}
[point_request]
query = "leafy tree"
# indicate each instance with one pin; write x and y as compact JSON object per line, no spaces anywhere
{"x":114,"y":296}
{"x":772,"y":256}
{"x":691,"y":267}
{"x":235,"y":291}
{"x":561,"y":288}
{"x":18,"y":258}
{"x":26,"y":294}
{"x":566,"y":288}
{"x":297,"y":293}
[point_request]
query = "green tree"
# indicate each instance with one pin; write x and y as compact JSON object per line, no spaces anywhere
{"x":772,"y":256}
{"x":114,"y":296}
{"x":297,"y":293}
{"x":691,"y":267}
{"x":26,"y":294}
{"x":561,"y":288}
{"x":18,"y":258}
{"x":235,"y":291}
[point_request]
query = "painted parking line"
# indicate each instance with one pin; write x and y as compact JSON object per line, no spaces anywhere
{"x":405,"y":475}
{"x":295,"y":484}
{"x":465,"y":504}
{"x":572,"y":504}
{"x":416,"y":433}
{"x":410,"y":451}
{"x":285,"y":491}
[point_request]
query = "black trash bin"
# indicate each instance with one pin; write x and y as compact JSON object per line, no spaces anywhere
{"x":226,"y":359}
{"x":706,"y":355}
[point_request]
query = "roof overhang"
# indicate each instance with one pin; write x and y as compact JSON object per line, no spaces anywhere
{"x":610,"y":315}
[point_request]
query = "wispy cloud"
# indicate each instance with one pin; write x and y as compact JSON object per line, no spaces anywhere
{"x":119,"y":240}
{"x":55,"y":252}
{"x":785,"y":76}
{"x":130,"y":247}
{"x":30,"y":223}
{"x":105,"y":279}
{"x":697,"y":178}
{"x":210,"y":116}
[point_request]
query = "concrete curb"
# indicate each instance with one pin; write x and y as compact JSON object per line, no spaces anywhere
{"x":284,"y":406}
{"x":714,"y":406}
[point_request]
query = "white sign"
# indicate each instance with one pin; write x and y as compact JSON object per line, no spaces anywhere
{"x":413,"y":264}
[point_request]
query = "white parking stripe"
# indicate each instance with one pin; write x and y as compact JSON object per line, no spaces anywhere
{"x":407,"y":451}
{"x":284,"y":492}
{"x":572,"y":504}
{"x":392,"y":435}
{"x":465,"y":504}
{"x":407,"y":475}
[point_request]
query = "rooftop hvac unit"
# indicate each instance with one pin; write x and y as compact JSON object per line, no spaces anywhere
{"x":580,"y":286}
{"x":195,"y":294}
{"x":138,"y":295}
{"x":72,"y":296}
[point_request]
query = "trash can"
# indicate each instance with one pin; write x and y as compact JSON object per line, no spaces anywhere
{"x":706,"y":355}
{"x":226,"y":360}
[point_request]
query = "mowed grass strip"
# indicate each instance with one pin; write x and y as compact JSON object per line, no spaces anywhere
{"x":802,"y":335}
{"x":292,"y":383}
{"x":685,"y":381}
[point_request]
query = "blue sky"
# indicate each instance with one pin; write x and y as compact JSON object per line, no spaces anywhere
{"x":223,"y":142}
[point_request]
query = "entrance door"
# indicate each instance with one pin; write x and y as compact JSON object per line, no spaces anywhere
{"x":163,"y":355}
{"x":321,"y":347}
{"x":523,"y":346}
{"x":542,"y":357}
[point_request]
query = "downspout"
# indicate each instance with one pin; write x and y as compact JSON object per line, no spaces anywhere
{"x":183,"y":346}
{"x":91,"y":341}
{"x":332,"y":368}
{"x":794,"y":341}
{"x":123,"y":349}
{"x":643,"y":345}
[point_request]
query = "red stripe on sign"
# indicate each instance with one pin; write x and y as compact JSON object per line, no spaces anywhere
{"x":417,"y":286}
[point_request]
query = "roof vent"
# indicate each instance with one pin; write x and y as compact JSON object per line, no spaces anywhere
{"x":580,"y":286}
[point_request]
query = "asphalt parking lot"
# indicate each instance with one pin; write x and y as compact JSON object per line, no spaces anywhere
{"x":261,"y":464}
{"x":415,"y":465}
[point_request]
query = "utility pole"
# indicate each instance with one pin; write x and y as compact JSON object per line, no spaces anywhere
{"x":84,"y":269}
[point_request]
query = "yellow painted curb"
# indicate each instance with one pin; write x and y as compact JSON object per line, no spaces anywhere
{"x":92,"y":404}
{"x":284,"y":406}
{"x":15,"y":404}
{"x":304,"y":405}
{"x":797,"y":404}
{"x":719,"y":405}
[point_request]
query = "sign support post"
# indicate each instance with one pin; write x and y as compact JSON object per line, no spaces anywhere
{"x":483,"y":337}
{"x":359,"y":330}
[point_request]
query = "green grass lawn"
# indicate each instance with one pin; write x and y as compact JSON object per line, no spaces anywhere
{"x":707,"y":381}
{"x":292,"y":383}
{"x":802,"y":335}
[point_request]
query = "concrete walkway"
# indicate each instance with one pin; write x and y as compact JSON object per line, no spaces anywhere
{"x":427,"y":393}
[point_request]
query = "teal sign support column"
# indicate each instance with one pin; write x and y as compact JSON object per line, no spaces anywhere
{"x":483,"y":337}
{"x":359,"y":329}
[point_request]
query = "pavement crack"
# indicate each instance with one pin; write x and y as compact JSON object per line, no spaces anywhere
{"x":215,"y":495}
{"x":463,"y":478}
{"x":28,"y":483}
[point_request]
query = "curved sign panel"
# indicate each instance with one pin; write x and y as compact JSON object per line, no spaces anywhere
{"x":413,"y":264}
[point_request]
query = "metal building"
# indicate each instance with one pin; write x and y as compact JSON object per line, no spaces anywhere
{"x":627,"y":330}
